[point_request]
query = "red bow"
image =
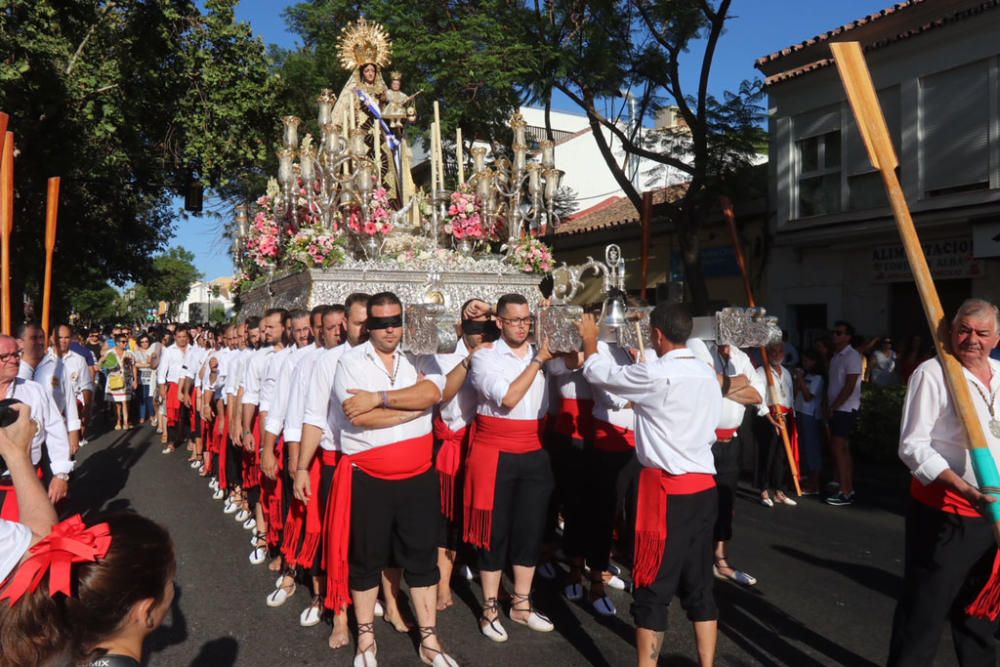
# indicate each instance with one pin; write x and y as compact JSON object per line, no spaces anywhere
{"x":69,"y":542}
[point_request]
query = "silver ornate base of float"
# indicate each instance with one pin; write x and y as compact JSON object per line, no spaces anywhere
{"x":445,"y":285}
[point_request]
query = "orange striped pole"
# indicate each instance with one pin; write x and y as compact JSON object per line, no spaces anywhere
{"x":51,"y":218}
{"x":6,"y":227}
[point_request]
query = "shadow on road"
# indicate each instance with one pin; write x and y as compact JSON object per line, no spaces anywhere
{"x":103,"y":475}
{"x":219,"y":652}
{"x":875,"y":578}
{"x":766,"y":633}
{"x":168,"y":635}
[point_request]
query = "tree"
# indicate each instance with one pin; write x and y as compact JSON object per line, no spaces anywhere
{"x":131,"y":103}
{"x":593,"y":51}
{"x":93,"y":305}
{"x":173,"y":275}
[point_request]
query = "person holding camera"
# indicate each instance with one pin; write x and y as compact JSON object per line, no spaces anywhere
{"x":37,"y":515}
{"x":50,"y":432}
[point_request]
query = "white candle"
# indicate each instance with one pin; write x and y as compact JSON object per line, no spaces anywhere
{"x":437,"y":152}
{"x":433,"y":161}
{"x":460,"y":156}
{"x":378,"y":152}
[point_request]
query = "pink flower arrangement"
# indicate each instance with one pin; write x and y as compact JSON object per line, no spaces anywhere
{"x":379,"y":216}
{"x":314,"y":247}
{"x":464,"y":220}
{"x":529,"y":255}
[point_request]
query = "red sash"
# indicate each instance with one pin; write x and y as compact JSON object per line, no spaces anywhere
{"x":193,"y":412}
{"x":449,"y":461}
{"x":222,"y":444}
{"x":401,"y":460}
{"x":271,"y":494}
{"x":575,"y":419}
{"x":10,"y":510}
{"x":793,"y":432}
{"x":612,"y":439}
{"x":725,"y":434}
{"x":655,"y":487}
{"x":173,"y":404}
{"x":251,"y":460}
{"x":942,"y":498}
{"x":490,"y":436}
{"x":296,"y":548}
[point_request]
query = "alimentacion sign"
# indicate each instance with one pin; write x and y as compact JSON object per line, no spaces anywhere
{"x":947,"y":258}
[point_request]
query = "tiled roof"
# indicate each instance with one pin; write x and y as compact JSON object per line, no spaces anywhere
{"x":913,"y":17}
{"x":615,"y":212}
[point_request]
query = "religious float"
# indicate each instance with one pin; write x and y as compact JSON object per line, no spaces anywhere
{"x":344,"y":215}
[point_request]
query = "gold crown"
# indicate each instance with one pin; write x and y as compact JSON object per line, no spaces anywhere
{"x":396,"y":75}
{"x":362,"y":43}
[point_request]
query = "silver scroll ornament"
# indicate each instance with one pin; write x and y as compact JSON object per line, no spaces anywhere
{"x":428,"y":329}
{"x":741,"y":327}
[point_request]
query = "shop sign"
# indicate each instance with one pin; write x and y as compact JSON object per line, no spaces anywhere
{"x":947,"y":258}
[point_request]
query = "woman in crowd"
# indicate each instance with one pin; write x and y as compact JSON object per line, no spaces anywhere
{"x":145,"y":362}
{"x":119,"y":366}
{"x":882,"y":366}
{"x":120,"y":589}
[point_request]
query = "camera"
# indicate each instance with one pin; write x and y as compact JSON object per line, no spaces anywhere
{"x":8,"y":416}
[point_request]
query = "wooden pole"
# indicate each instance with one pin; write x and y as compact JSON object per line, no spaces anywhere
{"x":647,"y":233}
{"x":857,"y":80}
{"x":772,"y":388}
{"x":6,"y":227}
{"x":4,"y":119}
{"x":51,"y":218}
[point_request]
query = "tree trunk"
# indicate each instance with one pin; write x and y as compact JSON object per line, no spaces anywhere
{"x":694,"y":275}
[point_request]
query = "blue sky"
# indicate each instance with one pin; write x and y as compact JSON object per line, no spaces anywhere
{"x":758,"y":27}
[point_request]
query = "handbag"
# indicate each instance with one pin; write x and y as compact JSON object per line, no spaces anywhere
{"x":116,"y":382}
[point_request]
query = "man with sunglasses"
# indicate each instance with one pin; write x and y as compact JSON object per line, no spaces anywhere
{"x":508,"y":481}
{"x":844,"y":397}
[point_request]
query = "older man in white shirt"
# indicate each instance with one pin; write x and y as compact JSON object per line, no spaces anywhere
{"x":46,"y":368}
{"x":950,"y":547}
{"x":677,"y":406}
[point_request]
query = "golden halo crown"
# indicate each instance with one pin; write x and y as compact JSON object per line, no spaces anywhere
{"x":362,"y":42}
{"x":396,"y":75}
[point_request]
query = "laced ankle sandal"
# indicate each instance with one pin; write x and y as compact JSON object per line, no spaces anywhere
{"x":366,"y":658}
{"x":440,"y":659}
{"x":535,"y":621}
{"x":491,"y":627}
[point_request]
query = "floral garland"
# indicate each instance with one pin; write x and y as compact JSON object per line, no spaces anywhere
{"x":529,"y":255}
{"x":263,"y":243}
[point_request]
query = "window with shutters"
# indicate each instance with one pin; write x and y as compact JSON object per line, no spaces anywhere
{"x":819,"y":174}
{"x":817,"y":162}
{"x":954,"y":130}
{"x":865,"y":189}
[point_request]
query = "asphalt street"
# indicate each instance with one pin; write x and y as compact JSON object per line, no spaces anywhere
{"x":828,"y":579}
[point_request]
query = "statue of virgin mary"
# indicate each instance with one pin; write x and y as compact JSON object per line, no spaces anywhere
{"x":365,"y":51}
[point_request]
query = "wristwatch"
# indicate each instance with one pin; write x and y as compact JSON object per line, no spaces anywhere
{"x":63,"y":476}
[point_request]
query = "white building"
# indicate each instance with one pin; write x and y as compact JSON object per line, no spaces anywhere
{"x":204,"y":298}
{"x":837,"y":255}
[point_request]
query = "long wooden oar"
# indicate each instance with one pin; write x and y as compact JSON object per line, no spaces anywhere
{"x":51,"y":218}
{"x":6,"y":227}
{"x":857,"y":81}
{"x":772,"y":388}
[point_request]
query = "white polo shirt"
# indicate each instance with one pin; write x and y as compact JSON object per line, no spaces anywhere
{"x":493,"y":371}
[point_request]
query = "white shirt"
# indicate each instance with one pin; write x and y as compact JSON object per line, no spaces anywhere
{"x":461,"y":409}
{"x":782,"y":385}
{"x":608,"y":407}
{"x":493,"y":371}
{"x":78,"y":375}
{"x":192,"y":365}
{"x":361,"y":368}
{"x":15,"y":538}
{"x":53,"y":432}
{"x":301,"y":386}
{"x":173,"y":364}
{"x":322,"y":409}
{"x":814,"y":383}
{"x":234,"y":370}
{"x":844,"y":363}
{"x":270,"y":381}
{"x":50,"y":373}
{"x":278,"y":405}
{"x":677,"y":406}
{"x":737,"y":364}
{"x":567,"y":383}
{"x":253,"y":374}
{"x":932,"y":438}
